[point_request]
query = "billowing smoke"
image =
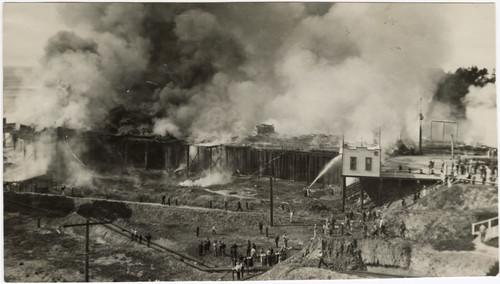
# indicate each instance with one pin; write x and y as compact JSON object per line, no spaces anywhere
{"x":210,"y":72}
{"x":468,"y":97}
{"x":481,"y":113}
{"x":209,"y":178}
{"x":28,"y":162}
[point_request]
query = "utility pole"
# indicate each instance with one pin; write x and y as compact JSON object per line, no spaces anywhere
{"x":452,"y":147}
{"x":187,"y":161}
{"x":87,"y":237}
{"x":421,"y":117}
{"x":271,"y":199}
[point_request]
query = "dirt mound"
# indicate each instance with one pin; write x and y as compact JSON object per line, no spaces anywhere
{"x":460,"y":197}
{"x":432,"y":263}
{"x":339,"y":254}
{"x":391,"y":252}
{"x":430,"y":226}
{"x":445,"y":214}
{"x":101,"y":209}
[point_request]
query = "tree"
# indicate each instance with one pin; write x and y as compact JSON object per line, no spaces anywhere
{"x":453,"y":87}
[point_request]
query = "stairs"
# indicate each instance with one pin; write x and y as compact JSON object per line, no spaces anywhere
{"x":352,"y":196}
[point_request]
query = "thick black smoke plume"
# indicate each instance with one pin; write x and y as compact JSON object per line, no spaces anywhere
{"x":453,"y":87}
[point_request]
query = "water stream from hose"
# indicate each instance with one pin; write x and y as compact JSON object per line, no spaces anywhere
{"x":334,"y":161}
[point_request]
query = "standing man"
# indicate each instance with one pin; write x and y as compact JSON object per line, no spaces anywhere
{"x":223,"y":249}
{"x":216,"y":248}
{"x":482,"y":231}
{"x":276,"y":240}
{"x":260,"y":227}
{"x":291,"y":216}
{"x":375,"y":230}
{"x":314,"y":230}
{"x":382,"y":225}
{"x":239,"y":207}
{"x":163,"y":197}
{"x":225,"y":204}
{"x":148,"y":239}
{"x":200,"y":248}
{"x":249,"y":248}
{"x":321,"y":260}
{"x":285,"y":240}
{"x":402,"y":229}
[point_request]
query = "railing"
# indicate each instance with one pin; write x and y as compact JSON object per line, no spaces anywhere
{"x":488,"y":224}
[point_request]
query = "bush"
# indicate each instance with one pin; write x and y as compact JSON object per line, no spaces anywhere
{"x":492,"y":242}
{"x":454,"y":245}
{"x":494,"y":269}
{"x":484,"y":214}
{"x":105,"y":210}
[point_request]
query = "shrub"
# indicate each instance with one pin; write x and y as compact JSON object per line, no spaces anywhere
{"x":105,"y":210}
{"x":492,"y":242}
{"x":493,"y":270}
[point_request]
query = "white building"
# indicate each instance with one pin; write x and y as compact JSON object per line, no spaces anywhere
{"x":361,"y":162}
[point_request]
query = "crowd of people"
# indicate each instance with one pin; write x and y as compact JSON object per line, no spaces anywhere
{"x":245,"y":256}
{"x":136,"y":237}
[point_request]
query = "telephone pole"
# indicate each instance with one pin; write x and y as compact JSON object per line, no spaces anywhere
{"x":271,"y":200}
{"x":87,"y":234}
{"x":421,"y":117}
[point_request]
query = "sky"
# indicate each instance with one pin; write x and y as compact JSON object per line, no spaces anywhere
{"x":472,"y":33}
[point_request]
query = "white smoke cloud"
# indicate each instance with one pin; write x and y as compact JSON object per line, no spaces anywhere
{"x":357,"y":68}
{"x":481,"y":123}
{"x":164,"y":125}
{"x":209,"y":178}
{"x":29,"y":160}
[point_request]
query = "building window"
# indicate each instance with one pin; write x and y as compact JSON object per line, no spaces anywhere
{"x":368,"y":164}
{"x":353,"y":163}
{"x":376,"y":153}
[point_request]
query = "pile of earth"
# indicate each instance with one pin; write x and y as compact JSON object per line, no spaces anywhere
{"x":341,"y":255}
{"x":444,"y":214}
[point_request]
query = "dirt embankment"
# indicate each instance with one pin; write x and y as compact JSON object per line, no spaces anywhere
{"x":445,"y":213}
{"x":391,"y":252}
{"x":429,"y":262}
{"x":341,"y":254}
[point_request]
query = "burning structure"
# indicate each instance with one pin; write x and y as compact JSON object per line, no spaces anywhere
{"x":116,"y":153}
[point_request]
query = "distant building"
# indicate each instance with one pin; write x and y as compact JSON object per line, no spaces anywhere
{"x":361,"y":162}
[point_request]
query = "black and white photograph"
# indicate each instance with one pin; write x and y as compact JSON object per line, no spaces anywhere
{"x":234,"y":141}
